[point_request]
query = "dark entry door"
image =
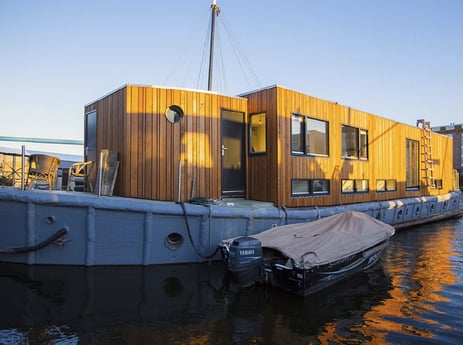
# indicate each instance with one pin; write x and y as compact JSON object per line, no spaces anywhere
{"x":90,"y":136}
{"x":233,"y":154}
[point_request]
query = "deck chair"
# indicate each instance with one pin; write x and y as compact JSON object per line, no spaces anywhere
{"x":42,"y":171}
{"x":78,"y":174}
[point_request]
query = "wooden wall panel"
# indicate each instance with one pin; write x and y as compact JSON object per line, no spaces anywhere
{"x":387,"y":140}
{"x":264,"y":186}
{"x":110,"y":114}
{"x":132,"y":122}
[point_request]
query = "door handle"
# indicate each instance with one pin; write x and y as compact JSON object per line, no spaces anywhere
{"x":223,"y":150}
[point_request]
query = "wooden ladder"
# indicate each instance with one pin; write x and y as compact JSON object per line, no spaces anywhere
{"x":426,"y":152}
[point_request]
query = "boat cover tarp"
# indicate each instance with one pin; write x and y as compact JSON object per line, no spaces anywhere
{"x":327,"y":239}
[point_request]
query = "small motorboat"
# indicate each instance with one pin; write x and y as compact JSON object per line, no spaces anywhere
{"x":304,"y":258}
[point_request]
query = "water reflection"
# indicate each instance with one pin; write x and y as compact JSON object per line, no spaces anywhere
{"x":419,"y":260}
{"x":85,"y":301}
{"x":413,"y":295}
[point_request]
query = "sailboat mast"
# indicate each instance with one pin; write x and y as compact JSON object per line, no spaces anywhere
{"x":215,"y":12}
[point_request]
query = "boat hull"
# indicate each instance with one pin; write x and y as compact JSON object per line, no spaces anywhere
{"x":125,"y":231}
{"x":306,"y":281}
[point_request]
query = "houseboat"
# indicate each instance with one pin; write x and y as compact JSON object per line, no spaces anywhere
{"x":196,"y":167}
{"x":175,"y":171}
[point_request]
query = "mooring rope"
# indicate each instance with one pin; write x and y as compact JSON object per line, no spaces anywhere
{"x":190,"y":237}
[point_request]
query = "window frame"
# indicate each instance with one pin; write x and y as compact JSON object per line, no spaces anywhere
{"x":352,"y":186}
{"x":303,"y":136}
{"x":251,"y":152}
{"x":387,"y":185}
{"x":412,"y":165}
{"x":311,"y":190}
{"x":358,"y":138}
{"x":437,"y":184}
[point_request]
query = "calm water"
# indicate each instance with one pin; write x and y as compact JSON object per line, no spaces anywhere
{"x":415,"y":295}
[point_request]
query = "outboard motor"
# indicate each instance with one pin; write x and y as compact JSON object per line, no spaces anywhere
{"x":245,"y":260}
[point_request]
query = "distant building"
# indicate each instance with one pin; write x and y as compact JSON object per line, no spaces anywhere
{"x":454,"y":131}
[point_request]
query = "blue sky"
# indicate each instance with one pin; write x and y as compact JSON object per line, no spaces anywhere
{"x":400,"y":59}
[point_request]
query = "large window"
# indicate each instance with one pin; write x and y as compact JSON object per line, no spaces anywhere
{"x":354,"y":143}
{"x":412,"y":164}
{"x":258,"y":133}
{"x":309,"y":136}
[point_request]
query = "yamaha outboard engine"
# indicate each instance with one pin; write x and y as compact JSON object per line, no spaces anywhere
{"x":245,"y":260}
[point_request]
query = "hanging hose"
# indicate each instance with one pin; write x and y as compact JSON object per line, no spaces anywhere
{"x":191,"y":238}
{"x":35,"y":247}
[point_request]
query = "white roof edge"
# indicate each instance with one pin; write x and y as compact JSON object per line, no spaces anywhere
{"x":106,"y":95}
{"x":159,"y":87}
{"x":257,"y":90}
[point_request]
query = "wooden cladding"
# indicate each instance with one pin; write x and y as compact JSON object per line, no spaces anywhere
{"x":152,"y":150}
{"x":362,"y":156}
{"x":385,"y":159}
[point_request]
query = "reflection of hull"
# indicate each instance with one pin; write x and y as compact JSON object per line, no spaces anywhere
{"x":161,"y":304}
{"x":96,"y":296}
{"x":304,"y":282}
{"x":124,"y":231}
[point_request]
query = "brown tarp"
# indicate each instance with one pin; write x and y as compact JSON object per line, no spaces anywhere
{"x":327,"y":239}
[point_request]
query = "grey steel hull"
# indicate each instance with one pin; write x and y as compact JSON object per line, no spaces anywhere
{"x":124,"y":231}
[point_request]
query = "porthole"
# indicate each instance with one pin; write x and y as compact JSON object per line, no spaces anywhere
{"x":50,"y":220}
{"x":173,"y":241}
{"x":399,"y":214}
{"x":174,"y":114}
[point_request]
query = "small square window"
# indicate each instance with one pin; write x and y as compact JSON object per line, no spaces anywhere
{"x":361,"y":186}
{"x":347,"y":186}
{"x":300,"y":187}
{"x":380,"y":185}
{"x":438,"y":183}
{"x":391,"y":185}
{"x":321,"y":186}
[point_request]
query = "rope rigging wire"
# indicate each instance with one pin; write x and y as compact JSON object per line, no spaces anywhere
{"x":244,"y":64}
{"x":201,"y":73}
{"x":243,"y":61}
{"x":249,"y":75}
{"x":222,"y":78}
{"x":188,"y":46}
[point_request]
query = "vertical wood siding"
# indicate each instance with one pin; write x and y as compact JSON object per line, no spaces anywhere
{"x":132,"y":122}
{"x":386,"y":150}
